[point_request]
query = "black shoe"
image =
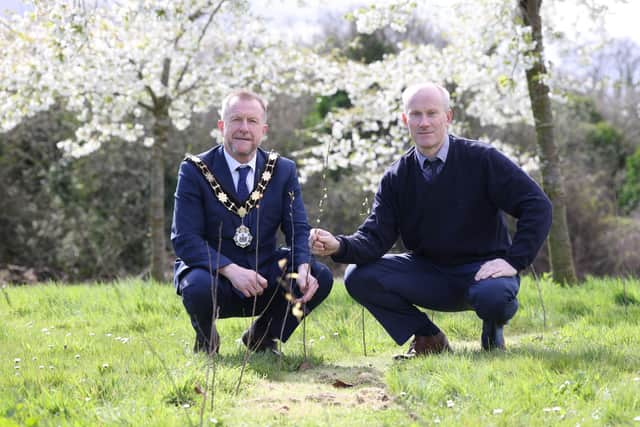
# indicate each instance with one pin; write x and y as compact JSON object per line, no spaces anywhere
{"x":492,"y":336}
{"x":260,"y":342}
{"x":201,"y":344}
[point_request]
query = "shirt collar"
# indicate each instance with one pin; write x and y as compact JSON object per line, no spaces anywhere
{"x":233,"y":163}
{"x":441,"y":154}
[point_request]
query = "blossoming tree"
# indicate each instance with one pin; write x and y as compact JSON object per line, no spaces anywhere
{"x":492,"y":49}
{"x":134,"y":69}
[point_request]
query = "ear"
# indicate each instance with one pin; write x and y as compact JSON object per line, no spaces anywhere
{"x":221,"y":125}
{"x":449,"y":116}
{"x":405,"y":120}
{"x":265,"y":129}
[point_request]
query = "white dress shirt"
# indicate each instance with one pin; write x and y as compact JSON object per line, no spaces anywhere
{"x":233,"y":166}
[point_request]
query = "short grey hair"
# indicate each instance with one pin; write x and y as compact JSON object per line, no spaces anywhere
{"x":243,"y":94}
{"x":410,"y":91}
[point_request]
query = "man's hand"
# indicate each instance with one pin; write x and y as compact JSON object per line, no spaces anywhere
{"x":307,"y":283}
{"x":323,"y":243}
{"x":495,"y":268}
{"x":249,"y":282}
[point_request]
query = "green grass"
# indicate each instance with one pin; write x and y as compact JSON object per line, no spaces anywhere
{"x":120,"y":354}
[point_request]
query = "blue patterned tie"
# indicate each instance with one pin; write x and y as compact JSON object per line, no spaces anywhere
{"x":243,"y":190}
{"x":431,"y":168}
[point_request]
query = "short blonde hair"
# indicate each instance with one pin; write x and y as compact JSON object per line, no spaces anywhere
{"x":243,"y":94}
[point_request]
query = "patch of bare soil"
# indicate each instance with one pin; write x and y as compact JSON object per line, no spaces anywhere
{"x":322,"y":387}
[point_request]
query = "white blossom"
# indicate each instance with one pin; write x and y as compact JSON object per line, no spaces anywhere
{"x":485,"y":64}
{"x":106,"y":63}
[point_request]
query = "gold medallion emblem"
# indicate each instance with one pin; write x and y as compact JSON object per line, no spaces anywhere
{"x":243,"y":236}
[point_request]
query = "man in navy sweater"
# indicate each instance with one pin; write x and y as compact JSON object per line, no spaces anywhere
{"x":445,"y":198}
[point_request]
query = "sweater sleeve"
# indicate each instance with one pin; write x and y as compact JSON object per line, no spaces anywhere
{"x":378,"y":232}
{"x":514,"y":192}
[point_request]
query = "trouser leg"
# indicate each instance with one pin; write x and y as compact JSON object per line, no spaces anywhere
{"x":391,"y":288}
{"x":197,"y":295}
{"x":495,"y":300}
{"x":278,"y":321}
{"x":197,"y":298}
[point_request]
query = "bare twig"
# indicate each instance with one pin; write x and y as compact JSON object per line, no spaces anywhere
{"x":626,"y":300}
{"x":323,"y":182}
{"x":214,"y":338}
{"x":364,"y":341}
{"x":152,"y":349}
{"x":321,"y":203}
{"x":544,"y":311}
{"x":304,"y":329}
{"x":293,"y":257}
{"x":247,"y":352}
{"x":286,"y":314}
{"x":6,"y":295}
{"x":365,"y":203}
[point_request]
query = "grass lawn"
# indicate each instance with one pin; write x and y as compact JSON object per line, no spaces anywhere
{"x":120,"y":354}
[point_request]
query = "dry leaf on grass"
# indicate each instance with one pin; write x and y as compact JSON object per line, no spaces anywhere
{"x":341,"y":384}
{"x":305,"y":366}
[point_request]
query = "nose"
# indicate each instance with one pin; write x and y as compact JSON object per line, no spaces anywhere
{"x":424,"y":121}
{"x":244,"y":125}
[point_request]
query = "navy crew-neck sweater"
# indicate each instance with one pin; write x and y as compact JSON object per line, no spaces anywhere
{"x":457,"y":217}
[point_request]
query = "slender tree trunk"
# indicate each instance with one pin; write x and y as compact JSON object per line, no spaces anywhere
{"x":156,"y":215}
{"x":560,"y":252}
{"x":161,"y":125}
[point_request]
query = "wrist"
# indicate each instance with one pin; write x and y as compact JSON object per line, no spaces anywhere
{"x":339,"y":246}
{"x":228,"y":270}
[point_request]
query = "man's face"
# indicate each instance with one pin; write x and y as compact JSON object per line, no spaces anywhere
{"x":427,"y":120}
{"x":243,"y":128}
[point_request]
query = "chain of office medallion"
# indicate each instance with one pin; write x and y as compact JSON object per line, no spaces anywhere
{"x":222,"y":195}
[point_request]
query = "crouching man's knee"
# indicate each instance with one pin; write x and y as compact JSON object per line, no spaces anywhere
{"x":495,"y":299}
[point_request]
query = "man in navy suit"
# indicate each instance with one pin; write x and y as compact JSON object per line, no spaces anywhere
{"x":445,"y":198}
{"x":230,"y":202}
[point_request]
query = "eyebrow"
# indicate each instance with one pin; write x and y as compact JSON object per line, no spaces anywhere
{"x":242,"y":116}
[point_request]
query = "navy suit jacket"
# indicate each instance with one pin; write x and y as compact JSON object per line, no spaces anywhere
{"x":201,"y":222}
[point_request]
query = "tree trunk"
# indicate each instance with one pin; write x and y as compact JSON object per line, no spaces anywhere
{"x":161,"y":124}
{"x":560,"y":253}
{"x":156,"y":186}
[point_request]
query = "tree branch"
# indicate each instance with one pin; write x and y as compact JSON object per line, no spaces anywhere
{"x":8,"y":27}
{"x":187,"y":89}
{"x":145,"y":106}
{"x":202,"y":34}
{"x":153,"y":96}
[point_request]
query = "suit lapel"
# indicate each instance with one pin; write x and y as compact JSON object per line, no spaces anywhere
{"x":260,"y":164}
